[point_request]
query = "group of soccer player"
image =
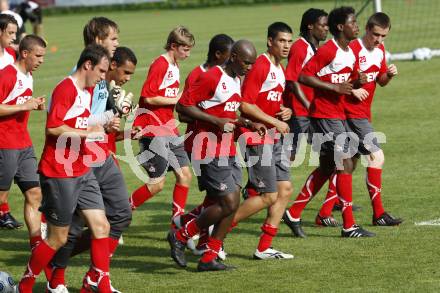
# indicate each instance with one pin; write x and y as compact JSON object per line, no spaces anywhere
{"x":324,"y":96}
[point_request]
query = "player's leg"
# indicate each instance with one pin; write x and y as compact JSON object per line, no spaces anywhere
{"x":154,"y":153}
{"x":276,"y":210}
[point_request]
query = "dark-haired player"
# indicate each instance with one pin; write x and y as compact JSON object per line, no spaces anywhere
{"x":8,"y":34}
{"x":329,"y":72}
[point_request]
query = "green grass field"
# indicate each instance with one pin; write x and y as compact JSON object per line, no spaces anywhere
{"x":402,"y":259}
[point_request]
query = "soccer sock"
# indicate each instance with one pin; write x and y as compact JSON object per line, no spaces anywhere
{"x":43,"y":218}
{"x":180,"y":194}
{"x":112,"y":245}
{"x":204,"y":238}
{"x":374,"y":185}
{"x":4,"y":209}
{"x":194,"y":213}
{"x":33,"y":241}
{"x":313,"y":184}
{"x":344,"y":190}
{"x":57,"y":277}
{"x":100,"y":256}
{"x":139,"y":196}
{"x":330,"y":199}
{"x":40,"y":257}
{"x":213,"y":247}
{"x":189,"y":230}
{"x":269,"y":232}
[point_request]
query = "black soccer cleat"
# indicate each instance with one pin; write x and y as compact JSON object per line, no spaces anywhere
{"x":338,"y":207}
{"x":356,"y":231}
{"x":326,"y":221}
{"x":386,"y":220}
{"x":294,"y":226}
{"x":9,"y":222}
{"x":177,"y":249}
{"x":213,"y":265}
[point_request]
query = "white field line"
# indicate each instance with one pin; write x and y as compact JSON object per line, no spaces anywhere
{"x":435,"y":222}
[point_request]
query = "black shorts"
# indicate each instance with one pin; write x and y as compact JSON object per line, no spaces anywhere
{"x":266,"y":166}
{"x":220,"y":177}
{"x":161,"y":154}
{"x":62,"y":196}
{"x":364,"y":130}
{"x":19,"y":166}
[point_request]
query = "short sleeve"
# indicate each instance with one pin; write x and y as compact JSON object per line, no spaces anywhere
{"x":154,"y":78}
{"x":62,"y":99}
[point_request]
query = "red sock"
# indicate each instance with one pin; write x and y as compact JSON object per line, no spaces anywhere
{"x":313,"y":184}
{"x":33,"y":241}
{"x":213,"y":247}
{"x":57,"y":277}
{"x":204,"y":238}
{"x":100,"y":256}
{"x":269,"y":232}
{"x":188,"y":231}
{"x":233,"y":225}
{"x":180,"y":194}
{"x":344,"y":190}
{"x":4,"y":208}
{"x":40,"y":257}
{"x":194,"y":213}
{"x":330,"y":199}
{"x":374,"y":185}
{"x":139,"y":196}
{"x":43,"y":218}
{"x":112,"y":245}
{"x":252,"y":192}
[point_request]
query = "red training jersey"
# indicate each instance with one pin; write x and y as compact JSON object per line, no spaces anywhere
{"x":334,"y":65}
{"x":373,"y":64}
{"x":162,"y":80}
{"x":15,"y":89}
{"x":70,"y":106}
{"x":217,"y":94}
{"x":300,"y":53}
{"x":191,"y":127}
{"x":263,"y":86}
{"x":9,"y":57}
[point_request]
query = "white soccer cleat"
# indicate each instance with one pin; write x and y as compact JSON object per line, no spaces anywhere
{"x":222,"y":254}
{"x":271,"y":253}
{"x":43,"y":228}
{"x":59,"y":289}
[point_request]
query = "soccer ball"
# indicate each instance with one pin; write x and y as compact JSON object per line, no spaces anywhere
{"x":7,"y":284}
{"x":422,"y":54}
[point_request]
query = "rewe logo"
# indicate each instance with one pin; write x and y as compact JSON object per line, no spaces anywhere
{"x":340,"y":78}
{"x":22,"y":100}
{"x":171,"y":92}
{"x":231,"y":106}
{"x":274,"y":96}
{"x":81,"y":122}
{"x":371,"y":76}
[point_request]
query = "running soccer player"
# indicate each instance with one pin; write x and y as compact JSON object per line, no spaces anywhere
{"x":370,"y":56}
{"x":67,"y":183}
{"x":269,"y":174}
{"x":313,"y":29}
{"x":8,"y":34}
{"x":17,"y":159}
{"x":218,"y":53}
{"x":213,"y":101}
{"x":329,"y":72}
{"x":160,"y":146}
{"x":101,"y":31}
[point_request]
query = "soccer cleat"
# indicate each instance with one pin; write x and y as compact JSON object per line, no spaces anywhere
{"x":338,"y":207}
{"x":213,"y":265}
{"x":326,"y":221}
{"x":356,"y":231}
{"x":177,"y":249}
{"x":121,"y":241}
{"x":271,"y":253}
{"x":222,"y":254}
{"x":8,"y":221}
{"x":90,"y":286}
{"x":59,"y":289}
{"x":295,"y":226}
{"x":386,"y":220}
